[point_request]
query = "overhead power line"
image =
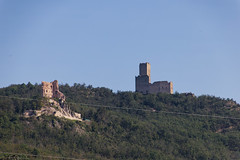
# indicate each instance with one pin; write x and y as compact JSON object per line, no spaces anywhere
{"x":42,"y":156}
{"x":139,"y":109}
{"x":21,"y":98}
{"x":154,"y":111}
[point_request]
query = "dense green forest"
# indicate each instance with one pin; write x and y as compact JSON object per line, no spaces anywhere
{"x":122,"y":125}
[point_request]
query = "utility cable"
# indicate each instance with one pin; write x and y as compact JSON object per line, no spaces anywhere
{"x":21,"y":98}
{"x":138,"y":109}
{"x":154,"y":111}
{"x":31,"y":155}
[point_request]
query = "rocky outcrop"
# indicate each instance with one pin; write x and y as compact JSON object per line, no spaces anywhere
{"x":54,"y":108}
{"x":50,"y":90}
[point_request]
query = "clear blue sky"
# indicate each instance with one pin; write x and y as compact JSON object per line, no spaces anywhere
{"x":194,"y":44}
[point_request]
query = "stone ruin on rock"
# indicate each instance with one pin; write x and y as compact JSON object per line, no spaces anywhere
{"x":144,"y":85}
{"x":50,"y":90}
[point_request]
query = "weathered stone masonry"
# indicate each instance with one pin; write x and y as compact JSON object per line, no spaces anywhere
{"x":51,"y":90}
{"x":144,"y":85}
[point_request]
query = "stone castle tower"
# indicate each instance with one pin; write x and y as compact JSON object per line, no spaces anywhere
{"x":51,"y":90}
{"x":144,"y":85}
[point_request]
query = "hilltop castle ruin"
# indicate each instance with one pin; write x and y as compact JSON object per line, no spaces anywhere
{"x":51,"y":90}
{"x":144,"y":85}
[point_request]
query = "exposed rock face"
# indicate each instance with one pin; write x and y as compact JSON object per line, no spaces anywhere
{"x":52,"y":107}
{"x":56,"y":109}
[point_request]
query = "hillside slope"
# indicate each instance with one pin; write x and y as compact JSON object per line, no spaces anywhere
{"x":121,"y":125}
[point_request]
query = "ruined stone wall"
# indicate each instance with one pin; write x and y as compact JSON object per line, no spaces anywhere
{"x":51,"y":90}
{"x":56,"y":92}
{"x":47,"y":89}
{"x":161,"y":87}
{"x":142,"y":84}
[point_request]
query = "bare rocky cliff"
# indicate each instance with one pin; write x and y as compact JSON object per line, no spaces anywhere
{"x":51,"y":93}
{"x":54,"y":108}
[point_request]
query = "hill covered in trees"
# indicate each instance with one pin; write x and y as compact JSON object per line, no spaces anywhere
{"x":122,"y":125}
